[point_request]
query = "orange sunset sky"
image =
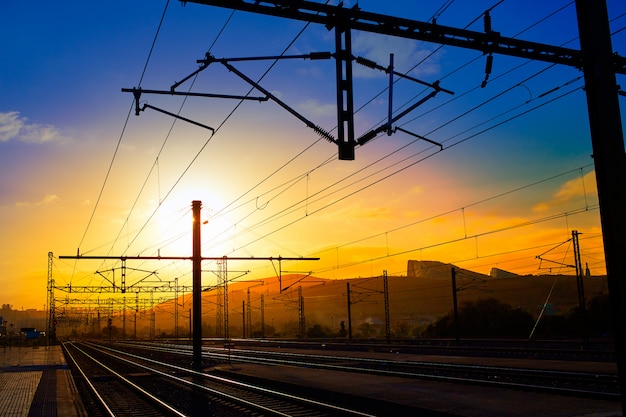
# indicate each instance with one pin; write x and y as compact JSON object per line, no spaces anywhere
{"x":81,"y":173}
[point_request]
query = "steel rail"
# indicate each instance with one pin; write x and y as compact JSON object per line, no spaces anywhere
{"x":88,"y":382}
{"x":222,"y":380}
{"x":126,"y":381}
{"x":234,"y":356}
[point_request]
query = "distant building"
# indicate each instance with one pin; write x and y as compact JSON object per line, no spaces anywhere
{"x":427,"y":269}
{"x":501,"y":273}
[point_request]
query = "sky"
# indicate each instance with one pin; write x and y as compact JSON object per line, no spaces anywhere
{"x":80,"y":173}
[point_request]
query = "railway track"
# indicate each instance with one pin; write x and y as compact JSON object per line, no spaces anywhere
{"x":593,"y":351}
{"x":593,"y":385}
{"x":129,"y":384}
{"x":109,"y":392}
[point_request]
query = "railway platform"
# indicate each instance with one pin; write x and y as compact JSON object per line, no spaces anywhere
{"x":35,"y":381}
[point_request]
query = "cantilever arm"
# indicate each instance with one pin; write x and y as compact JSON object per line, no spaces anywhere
{"x":193,"y":122}
{"x":326,"y":135}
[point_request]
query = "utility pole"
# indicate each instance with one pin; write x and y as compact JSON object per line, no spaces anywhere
{"x":349,"y":312}
{"x":579,"y":271}
{"x":243,"y":318}
{"x":386,"y":297}
{"x":456,"y":309}
{"x":197,"y":285}
{"x":175,"y":310}
{"x":302,"y":327}
{"x":580,"y":285}
{"x":124,"y":319}
{"x":609,"y":159}
{"x":249,"y":311}
{"x":262,"y":316}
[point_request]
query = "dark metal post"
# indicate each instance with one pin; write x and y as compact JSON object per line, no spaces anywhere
{"x":579,"y":271}
{"x":262,"y":316}
{"x":581,"y":287}
{"x":386,"y":299}
{"x":349,"y":313}
{"x":345,"y":104}
{"x":608,"y":153}
{"x":301,"y":322}
{"x":197,"y":286}
{"x":390,"y":104}
{"x":456,"y":309}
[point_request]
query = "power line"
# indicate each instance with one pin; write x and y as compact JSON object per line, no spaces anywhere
{"x":378,"y":180}
{"x":279,"y":168}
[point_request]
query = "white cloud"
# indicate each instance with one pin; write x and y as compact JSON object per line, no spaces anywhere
{"x":10,"y":125}
{"x":407,"y":53}
{"x":314,"y":108}
{"x":15,"y":127}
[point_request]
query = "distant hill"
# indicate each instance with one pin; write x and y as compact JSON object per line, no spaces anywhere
{"x":414,"y":300}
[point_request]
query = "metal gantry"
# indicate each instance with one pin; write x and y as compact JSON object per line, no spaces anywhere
{"x":197,"y":289}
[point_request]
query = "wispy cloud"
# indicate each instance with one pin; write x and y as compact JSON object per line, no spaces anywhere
{"x":15,"y":127}
{"x":575,"y":189}
{"x":45,"y":201}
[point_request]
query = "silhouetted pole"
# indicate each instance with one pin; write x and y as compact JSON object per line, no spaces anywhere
{"x":243,"y":317}
{"x":386,"y":300}
{"x":581,"y":287}
{"x":607,"y":142}
{"x":197,"y":286}
{"x":456,"y":309}
{"x":262,"y":316}
{"x":349,"y":313}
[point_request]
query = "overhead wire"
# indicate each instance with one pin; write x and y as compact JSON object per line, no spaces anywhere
{"x":522,"y":113}
{"x":483,"y":131}
{"x":161,"y":200}
{"x":195,"y":157}
{"x":460,"y":239}
{"x":214,"y":132}
{"x":294,"y":206}
{"x":119,"y":142}
{"x":266,"y":179}
{"x":466,"y":206}
{"x":122,"y":134}
{"x":289,"y":161}
{"x":167,"y":136}
{"x":329,"y":159}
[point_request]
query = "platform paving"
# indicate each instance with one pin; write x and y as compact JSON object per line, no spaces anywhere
{"x":35,"y":381}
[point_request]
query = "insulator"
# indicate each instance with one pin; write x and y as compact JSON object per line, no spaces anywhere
{"x":489,"y":64}
{"x":366,"y":62}
{"x":319,"y":55}
{"x":487,"y":21}
{"x":367,"y":137}
{"x":326,"y":135}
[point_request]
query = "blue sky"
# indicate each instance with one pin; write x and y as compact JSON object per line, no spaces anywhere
{"x":268,"y":185}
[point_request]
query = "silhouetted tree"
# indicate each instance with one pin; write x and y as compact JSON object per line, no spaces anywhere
{"x":486,"y":317}
{"x":600,"y":320}
{"x":316,"y":332}
{"x":342,"y":329}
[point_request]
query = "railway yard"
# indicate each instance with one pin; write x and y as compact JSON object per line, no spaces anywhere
{"x":141,"y":378}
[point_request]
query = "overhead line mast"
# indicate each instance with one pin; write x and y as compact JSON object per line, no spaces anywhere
{"x":596,"y":59}
{"x":196,"y":259}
